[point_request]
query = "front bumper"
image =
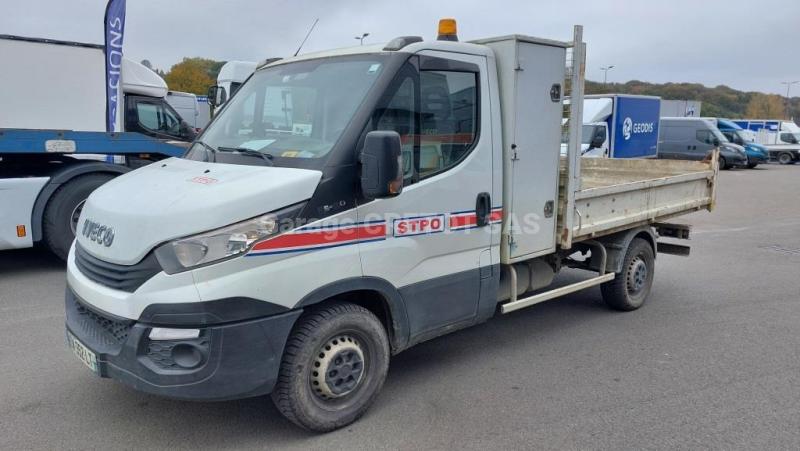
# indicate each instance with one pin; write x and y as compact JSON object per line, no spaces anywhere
{"x":236,"y":359}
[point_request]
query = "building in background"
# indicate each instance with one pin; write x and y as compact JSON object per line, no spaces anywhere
{"x":680,"y":108}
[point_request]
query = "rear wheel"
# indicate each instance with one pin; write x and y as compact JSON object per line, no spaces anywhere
{"x":785,"y":158}
{"x":630,"y":288}
{"x":333,"y":367}
{"x":60,"y":221}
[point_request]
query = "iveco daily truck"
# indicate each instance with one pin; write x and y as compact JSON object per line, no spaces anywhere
{"x":346,"y":205}
{"x":54,"y":144}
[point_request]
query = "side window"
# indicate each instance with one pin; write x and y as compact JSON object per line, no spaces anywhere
{"x":704,"y":136}
{"x":439,"y":132}
{"x":399,"y":115}
{"x":154,"y":117}
{"x":448,"y":119}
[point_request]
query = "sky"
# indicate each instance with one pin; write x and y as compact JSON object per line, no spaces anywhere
{"x":711,"y":42}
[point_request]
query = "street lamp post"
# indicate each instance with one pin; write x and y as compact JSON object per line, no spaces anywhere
{"x":788,"y":99}
{"x":605,"y":73}
{"x":361,"y":38}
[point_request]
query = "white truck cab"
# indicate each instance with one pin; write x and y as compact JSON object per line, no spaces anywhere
{"x":346,"y":205}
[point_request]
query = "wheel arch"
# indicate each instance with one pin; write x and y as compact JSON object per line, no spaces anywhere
{"x":376,"y":295}
{"x":61,"y":177}
{"x":618,"y":243}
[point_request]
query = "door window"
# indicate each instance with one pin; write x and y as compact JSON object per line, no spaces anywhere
{"x":438,"y":130}
{"x":156,"y":118}
{"x":704,"y":136}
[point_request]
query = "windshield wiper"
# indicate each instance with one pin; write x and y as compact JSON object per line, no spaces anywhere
{"x":249,"y":152}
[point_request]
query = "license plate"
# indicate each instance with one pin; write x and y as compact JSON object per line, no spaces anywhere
{"x":82,"y":352}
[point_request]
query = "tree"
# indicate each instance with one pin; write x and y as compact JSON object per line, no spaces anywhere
{"x":764,"y":106}
{"x":193,"y":75}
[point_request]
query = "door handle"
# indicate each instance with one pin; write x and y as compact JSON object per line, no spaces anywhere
{"x":483,"y":209}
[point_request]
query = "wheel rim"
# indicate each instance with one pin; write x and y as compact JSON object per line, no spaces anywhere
{"x":785,"y":159}
{"x":637,"y":276}
{"x":76,"y":214}
{"x":338,"y":368}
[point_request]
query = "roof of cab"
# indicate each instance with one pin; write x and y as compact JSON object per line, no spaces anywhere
{"x":449,"y":46}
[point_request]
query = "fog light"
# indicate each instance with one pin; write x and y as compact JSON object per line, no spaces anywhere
{"x":162,"y":333}
{"x":186,"y":355}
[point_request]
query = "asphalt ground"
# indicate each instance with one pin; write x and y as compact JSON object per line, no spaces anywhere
{"x":711,"y":361}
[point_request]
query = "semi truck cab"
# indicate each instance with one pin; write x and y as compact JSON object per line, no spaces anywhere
{"x":348,"y":204}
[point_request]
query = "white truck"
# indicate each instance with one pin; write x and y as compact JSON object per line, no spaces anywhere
{"x":54,"y":149}
{"x":781,"y":138}
{"x":231,"y":76}
{"x":405,"y":191}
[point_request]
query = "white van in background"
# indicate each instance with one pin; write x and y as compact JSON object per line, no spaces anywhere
{"x":187,"y":106}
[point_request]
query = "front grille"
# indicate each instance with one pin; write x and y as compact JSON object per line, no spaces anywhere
{"x":120,"y":277}
{"x":106,"y":330}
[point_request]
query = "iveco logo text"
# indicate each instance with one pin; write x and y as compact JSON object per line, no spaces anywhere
{"x":629,"y":128}
{"x":98,"y":233}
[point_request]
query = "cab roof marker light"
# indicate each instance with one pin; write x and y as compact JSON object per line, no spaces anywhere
{"x":448,"y":30}
{"x":400,"y":42}
{"x":163,"y":333}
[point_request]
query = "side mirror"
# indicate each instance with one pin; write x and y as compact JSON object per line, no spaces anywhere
{"x":715,"y":142}
{"x":217,"y":95}
{"x":381,"y":165}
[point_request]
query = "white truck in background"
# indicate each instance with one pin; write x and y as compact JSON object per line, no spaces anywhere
{"x":781,"y":138}
{"x":54,"y":149}
{"x":230,"y":77}
{"x":404,"y":191}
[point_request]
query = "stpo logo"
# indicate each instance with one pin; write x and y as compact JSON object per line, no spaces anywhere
{"x":629,"y":128}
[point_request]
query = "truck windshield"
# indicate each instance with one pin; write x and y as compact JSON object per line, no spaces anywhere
{"x":291,"y":113}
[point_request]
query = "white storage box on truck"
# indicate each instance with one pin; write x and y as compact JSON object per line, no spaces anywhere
{"x":275,"y":259}
{"x":54,"y":149}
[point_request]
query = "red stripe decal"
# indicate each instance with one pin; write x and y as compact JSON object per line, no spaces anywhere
{"x":463,"y":221}
{"x":302,"y":238}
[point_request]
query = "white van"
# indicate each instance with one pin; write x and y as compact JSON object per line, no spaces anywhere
{"x":188,"y":107}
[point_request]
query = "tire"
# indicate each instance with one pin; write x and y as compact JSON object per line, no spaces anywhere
{"x":63,"y":209}
{"x":630,"y":288}
{"x":324,"y":401}
{"x":722,"y":163}
{"x":752,"y":165}
{"x":785,"y":158}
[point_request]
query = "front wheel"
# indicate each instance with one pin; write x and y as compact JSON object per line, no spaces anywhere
{"x":60,"y":220}
{"x":722,"y":163}
{"x":630,"y":288}
{"x":333,"y":367}
{"x":751,"y":165}
{"x":785,"y":158}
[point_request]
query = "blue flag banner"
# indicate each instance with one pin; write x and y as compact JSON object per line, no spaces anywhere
{"x":114,"y":31}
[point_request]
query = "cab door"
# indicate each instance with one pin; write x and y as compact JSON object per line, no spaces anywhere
{"x":439,"y":230}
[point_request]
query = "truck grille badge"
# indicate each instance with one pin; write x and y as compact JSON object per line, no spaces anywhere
{"x":100,"y":234}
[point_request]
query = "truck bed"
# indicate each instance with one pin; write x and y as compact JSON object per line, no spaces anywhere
{"x":617,"y":194}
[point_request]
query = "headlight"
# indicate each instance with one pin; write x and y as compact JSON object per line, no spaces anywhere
{"x":220,"y":244}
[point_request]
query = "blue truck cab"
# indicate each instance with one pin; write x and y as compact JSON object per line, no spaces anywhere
{"x":756,"y":153}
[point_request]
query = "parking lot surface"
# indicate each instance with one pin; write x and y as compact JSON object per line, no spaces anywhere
{"x":711,"y":361}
